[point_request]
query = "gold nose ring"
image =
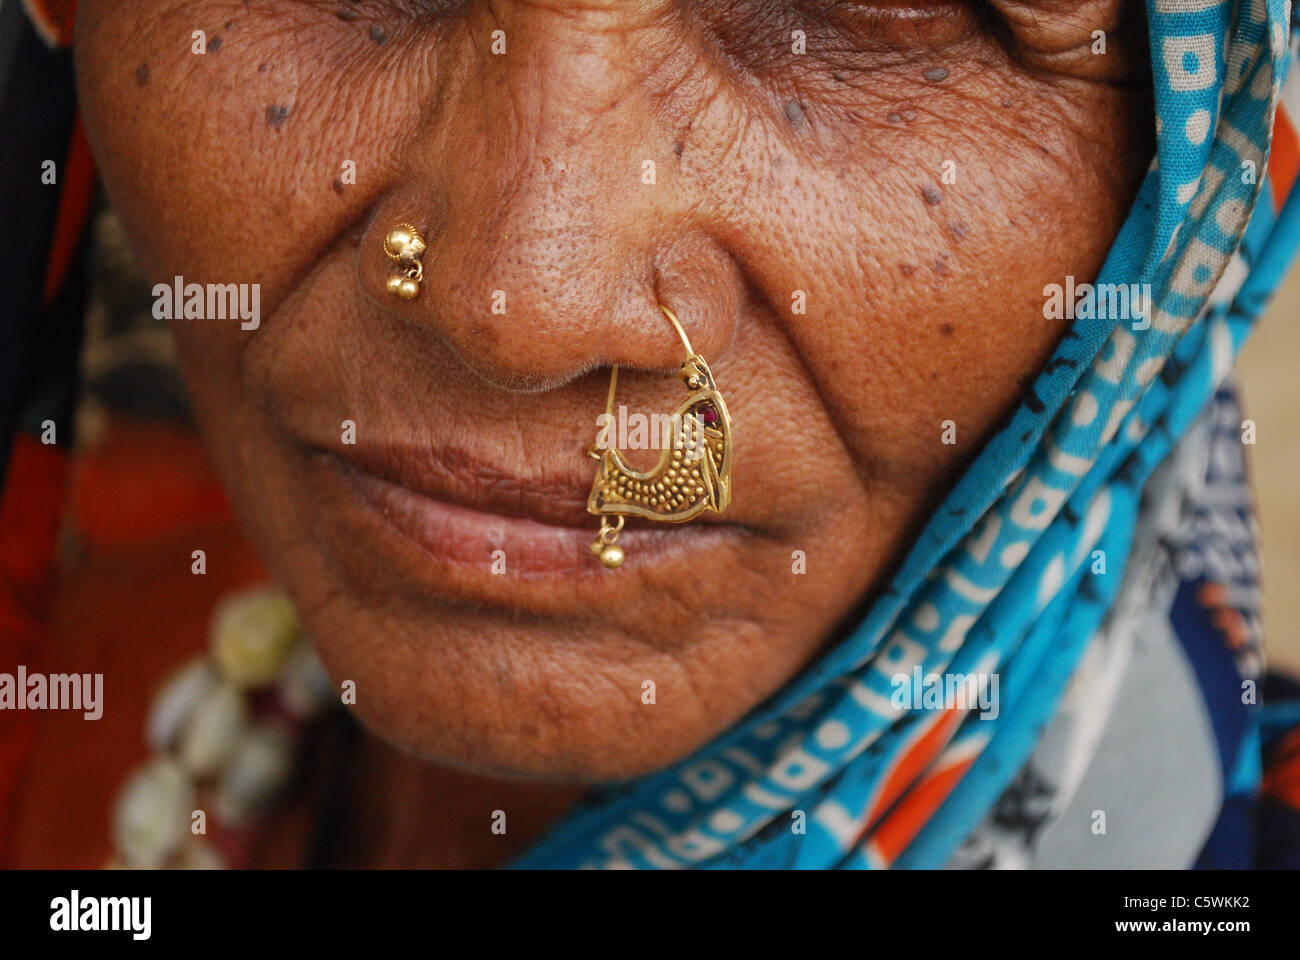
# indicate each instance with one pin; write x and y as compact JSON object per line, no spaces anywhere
{"x":693,"y":474}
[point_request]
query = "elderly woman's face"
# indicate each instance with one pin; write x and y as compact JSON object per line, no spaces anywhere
{"x":853,"y":207}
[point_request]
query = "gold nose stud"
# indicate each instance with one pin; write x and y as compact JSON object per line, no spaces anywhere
{"x":404,"y":246}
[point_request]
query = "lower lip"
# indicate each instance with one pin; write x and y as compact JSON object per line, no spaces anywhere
{"x":463,"y":537}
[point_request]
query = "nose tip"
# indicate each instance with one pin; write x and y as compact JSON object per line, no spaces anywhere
{"x":525,"y":320}
{"x":549,"y":248}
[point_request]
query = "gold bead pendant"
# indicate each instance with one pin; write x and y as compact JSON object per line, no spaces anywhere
{"x":404,"y":246}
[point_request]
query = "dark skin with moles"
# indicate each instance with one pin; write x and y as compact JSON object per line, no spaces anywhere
{"x":774,"y":172}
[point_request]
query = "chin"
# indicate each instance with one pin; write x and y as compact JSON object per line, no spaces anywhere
{"x":547,"y":665}
{"x":511,"y":697}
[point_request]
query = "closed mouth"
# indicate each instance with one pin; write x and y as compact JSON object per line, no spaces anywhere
{"x":462,"y":514}
{"x":453,"y":477}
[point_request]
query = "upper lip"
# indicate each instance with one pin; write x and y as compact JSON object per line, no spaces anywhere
{"x":452,"y":475}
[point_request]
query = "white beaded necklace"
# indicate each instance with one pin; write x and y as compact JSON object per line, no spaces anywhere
{"x":225,"y":729}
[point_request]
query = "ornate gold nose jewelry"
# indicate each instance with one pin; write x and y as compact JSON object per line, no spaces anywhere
{"x":404,"y":247}
{"x":693,"y":473}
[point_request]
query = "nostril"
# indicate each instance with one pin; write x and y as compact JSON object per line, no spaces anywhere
{"x":702,"y":284}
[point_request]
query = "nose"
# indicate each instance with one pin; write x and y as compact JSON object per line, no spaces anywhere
{"x":544,"y":181}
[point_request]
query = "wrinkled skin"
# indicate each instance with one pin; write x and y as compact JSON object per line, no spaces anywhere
{"x":775,"y":172}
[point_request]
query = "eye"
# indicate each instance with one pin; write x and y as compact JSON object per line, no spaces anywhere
{"x":804,"y":41}
{"x":898,"y":23}
{"x":385,"y":12}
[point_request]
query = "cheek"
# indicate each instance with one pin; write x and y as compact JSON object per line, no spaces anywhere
{"x":924,"y":250}
{"x":227,"y":166}
{"x":1028,"y":204}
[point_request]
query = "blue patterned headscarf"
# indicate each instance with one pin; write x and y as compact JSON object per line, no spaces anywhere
{"x":1004,"y":581}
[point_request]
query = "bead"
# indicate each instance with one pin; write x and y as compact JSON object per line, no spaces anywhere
{"x":408,"y":289}
{"x":214,"y":732}
{"x":252,"y":635}
{"x":305,"y":688}
{"x":394,"y":282}
{"x":151,"y":818}
{"x":255,"y":776}
{"x":179,"y":696}
{"x":398,"y":239}
{"x":597,"y":546}
{"x":612,"y":556}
